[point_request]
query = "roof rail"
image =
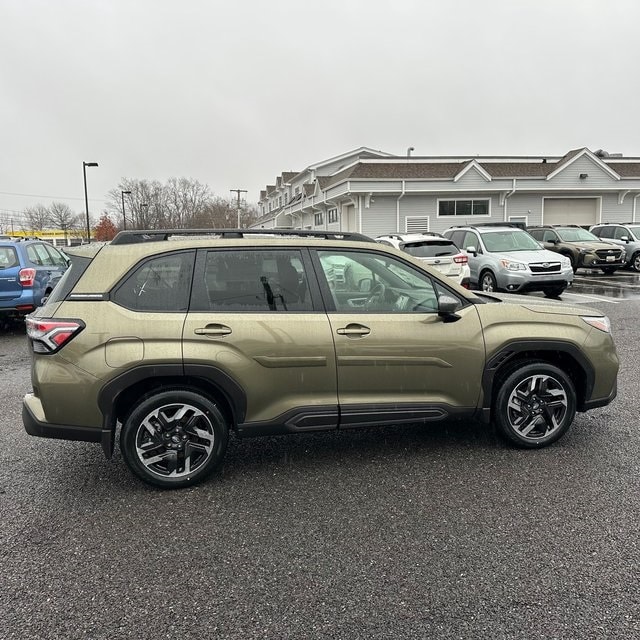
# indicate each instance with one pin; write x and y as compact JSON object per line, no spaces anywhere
{"x":157,"y":235}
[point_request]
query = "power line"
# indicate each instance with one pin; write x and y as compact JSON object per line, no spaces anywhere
{"x":35,"y":195}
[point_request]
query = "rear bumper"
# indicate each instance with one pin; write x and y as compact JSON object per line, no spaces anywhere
{"x":35,"y":425}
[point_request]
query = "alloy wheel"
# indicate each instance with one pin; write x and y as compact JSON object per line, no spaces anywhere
{"x":175,"y":440}
{"x":537,"y":407}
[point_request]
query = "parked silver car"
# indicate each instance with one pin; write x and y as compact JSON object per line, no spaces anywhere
{"x":507,"y":258}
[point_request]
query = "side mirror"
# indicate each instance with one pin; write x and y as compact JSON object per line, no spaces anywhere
{"x":472,"y":250}
{"x":365,"y":285}
{"x":625,"y":239}
{"x":447,"y":307}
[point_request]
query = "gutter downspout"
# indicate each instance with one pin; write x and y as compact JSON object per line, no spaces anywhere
{"x":633,"y":212}
{"x":506,"y":197}
{"x":398,"y":207}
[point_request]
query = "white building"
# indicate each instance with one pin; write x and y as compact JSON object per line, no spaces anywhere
{"x":375,"y":193}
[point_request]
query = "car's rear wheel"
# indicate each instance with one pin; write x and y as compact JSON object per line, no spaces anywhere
{"x":554,"y":292}
{"x":174,"y":438}
{"x":635,"y":262}
{"x":535,"y":405}
{"x":488,"y":282}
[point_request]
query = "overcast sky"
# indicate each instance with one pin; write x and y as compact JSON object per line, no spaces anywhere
{"x":234,"y":92}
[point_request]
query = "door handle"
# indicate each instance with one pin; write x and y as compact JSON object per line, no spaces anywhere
{"x":354,"y":330}
{"x":213,"y":330}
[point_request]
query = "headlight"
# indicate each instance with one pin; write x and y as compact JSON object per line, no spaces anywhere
{"x":583,"y":252}
{"x":599,"y":322}
{"x":565,"y":262}
{"x":513,"y":266}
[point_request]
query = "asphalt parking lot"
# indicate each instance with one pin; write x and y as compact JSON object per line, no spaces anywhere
{"x":413,"y":532}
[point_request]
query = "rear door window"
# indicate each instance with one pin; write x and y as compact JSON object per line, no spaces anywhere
{"x":252,"y":280}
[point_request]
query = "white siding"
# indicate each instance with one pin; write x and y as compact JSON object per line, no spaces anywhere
{"x":380,"y":218}
{"x":472,"y":180}
{"x":569,"y":177}
{"x":527,"y":205}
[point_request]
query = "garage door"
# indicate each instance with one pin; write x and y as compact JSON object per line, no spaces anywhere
{"x":581,"y":211}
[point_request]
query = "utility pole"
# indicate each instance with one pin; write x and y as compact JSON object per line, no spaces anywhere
{"x":238,"y":191}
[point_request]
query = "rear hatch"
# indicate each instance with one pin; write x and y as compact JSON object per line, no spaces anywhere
{"x":437,"y":253}
{"x":10,"y":287}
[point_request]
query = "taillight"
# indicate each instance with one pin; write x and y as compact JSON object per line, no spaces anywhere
{"x":48,"y":336}
{"x":461,"y":258}
{"x":27,"y":276}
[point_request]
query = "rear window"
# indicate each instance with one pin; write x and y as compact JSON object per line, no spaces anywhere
{"x":432,"y":249}
{"x":8,"y":258}
{"x":69,"y":279}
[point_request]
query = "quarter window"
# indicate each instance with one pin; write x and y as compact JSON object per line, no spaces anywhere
{"x":160,"y":284}
{"x":475,"y":207}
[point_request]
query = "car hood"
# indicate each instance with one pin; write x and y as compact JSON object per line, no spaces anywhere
{"x":540,"y":305}
{"x":593,"y":245}
{"x":527,"y":257}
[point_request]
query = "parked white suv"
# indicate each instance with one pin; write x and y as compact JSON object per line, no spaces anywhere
{"x":506,"y":258}
{"x":435,"y":250}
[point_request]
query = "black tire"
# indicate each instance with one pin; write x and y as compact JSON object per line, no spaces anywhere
{"x":609,"y":270}
{"x":183,"y":431}
{"x":634,"y":263}
{"x":574,"y":264}
{"x":534,"y":405}
{"x":554,"y":292}
{"x":487,"y":282}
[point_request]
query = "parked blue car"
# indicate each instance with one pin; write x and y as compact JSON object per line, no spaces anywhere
{"x":29,"y":270}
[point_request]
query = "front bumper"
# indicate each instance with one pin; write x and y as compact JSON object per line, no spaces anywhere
{"x":521,"y":281}
{"x":595,"y":262}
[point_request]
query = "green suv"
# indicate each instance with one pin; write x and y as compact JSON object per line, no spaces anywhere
{"x":581,"y":247}
{"x":181,"y":337}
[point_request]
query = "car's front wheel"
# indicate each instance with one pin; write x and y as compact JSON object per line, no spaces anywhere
{"x":634,"y":263}
{"x":554,"y":292}
{"x":488,"y":282}
{"x":535,"y":405}
{"x":174,"y":438}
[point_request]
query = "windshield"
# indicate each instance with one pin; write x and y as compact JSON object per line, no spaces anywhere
{"x":512,"y":240}
{"x":636,"y":231}
{"x":576,"y":235}
{"x":431,"y":249}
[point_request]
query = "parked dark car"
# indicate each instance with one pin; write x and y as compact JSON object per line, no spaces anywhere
{"x":581,"y":247}
{"x":29,"y":270}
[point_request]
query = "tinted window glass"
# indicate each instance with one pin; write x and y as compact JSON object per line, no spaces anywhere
{"x":254,"y":280}
{"x":8,"y":258}
{"x":538,"y":234}
{"x":621,"y":231}
{"x":160,"y":284}
{"x":432,"y":249}
{"x":69,"y":279}
{"x":604,"y":232}
{"x":470,"y":240}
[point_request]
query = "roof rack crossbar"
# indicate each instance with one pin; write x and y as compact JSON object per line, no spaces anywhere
{"x":157,"y":235}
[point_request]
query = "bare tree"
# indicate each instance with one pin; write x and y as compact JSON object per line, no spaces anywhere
{"x":37,"y":217}
{"x":63,"y":218}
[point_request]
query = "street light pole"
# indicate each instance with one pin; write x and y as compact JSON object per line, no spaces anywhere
{"x":238,"y":191}
{"x":124,"y":217}
{"x":86,"y":200}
